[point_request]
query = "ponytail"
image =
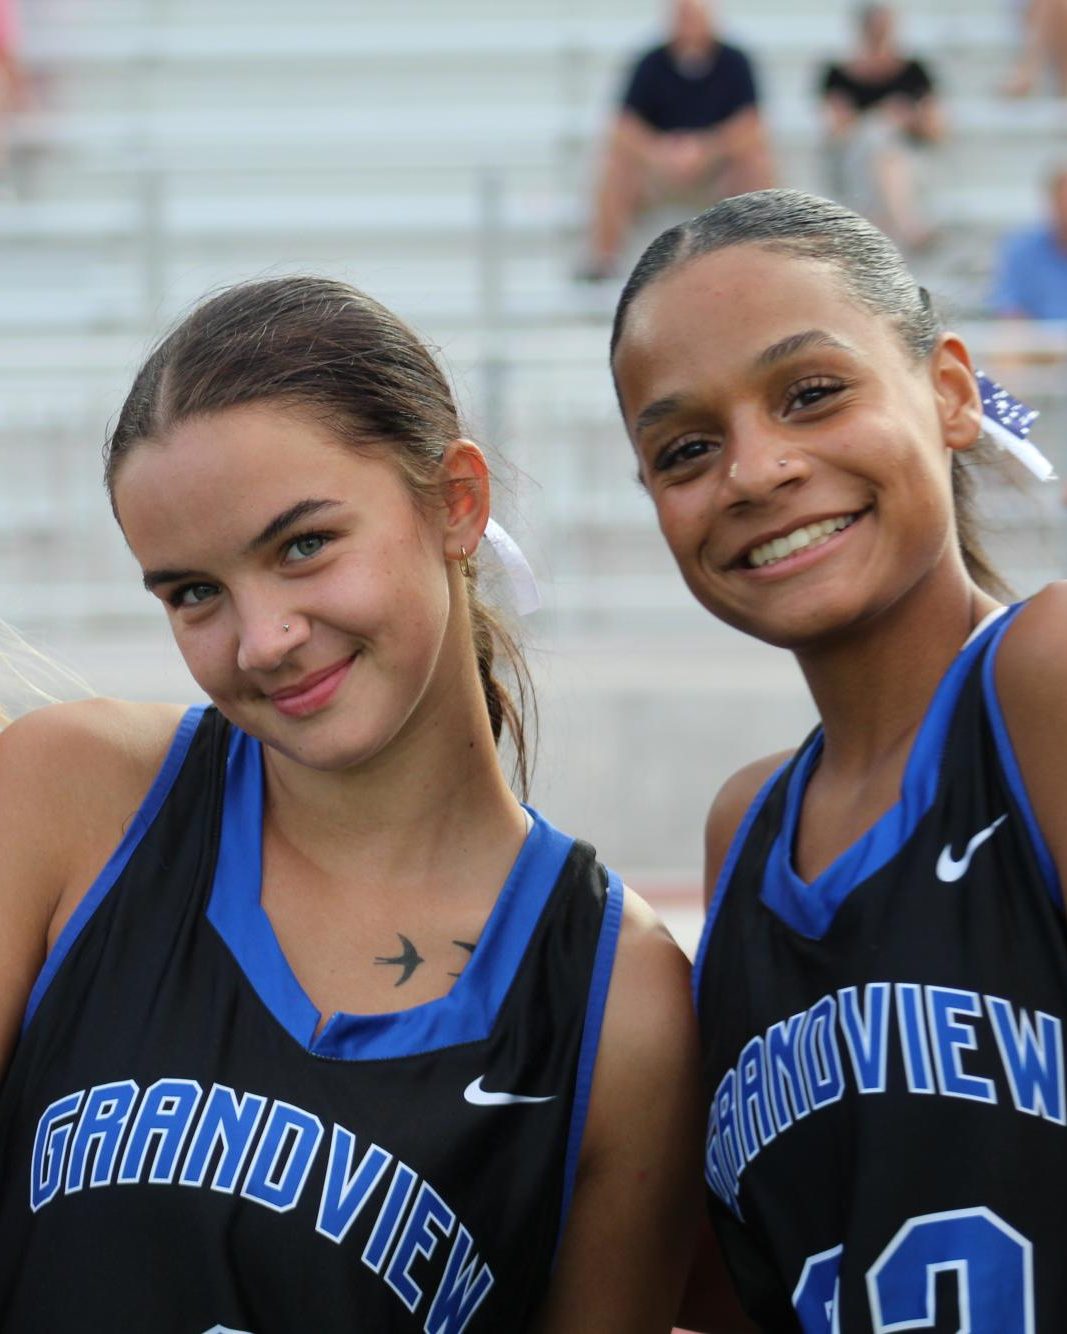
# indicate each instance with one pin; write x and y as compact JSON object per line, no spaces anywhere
{"x":504,"y":711}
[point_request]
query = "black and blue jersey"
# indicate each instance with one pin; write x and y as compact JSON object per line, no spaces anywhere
{"x":887,"y":1137}
{"x":182,"y":1153}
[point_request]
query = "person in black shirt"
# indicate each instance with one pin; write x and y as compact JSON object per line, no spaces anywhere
{"x":688,"y":120}
{"x":880,"y":106}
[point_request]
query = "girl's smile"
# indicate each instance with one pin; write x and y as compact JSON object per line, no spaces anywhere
{"x":277,"y":593}
{"x":786,"y":553}
{"x":797,"y":486}
{"x":314,"y":692}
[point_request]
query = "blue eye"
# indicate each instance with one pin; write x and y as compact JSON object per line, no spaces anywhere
{"x":303,"y":548}
{"x":192,"y":595}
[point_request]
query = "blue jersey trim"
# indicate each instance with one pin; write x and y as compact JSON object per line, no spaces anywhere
{"x":466,"y":1014}
{"x":1010,"y":764}
{"x":738,"y":842}
{"x":117,"y":862}
{"x":594,"y":1018}
{"x":810,"y":908}
{"x":234,"y":909}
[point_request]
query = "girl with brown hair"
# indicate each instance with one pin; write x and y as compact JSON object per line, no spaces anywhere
{"x":312,"y":1024}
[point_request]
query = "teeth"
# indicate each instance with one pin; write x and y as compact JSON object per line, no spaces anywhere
{"x":811,"y":535}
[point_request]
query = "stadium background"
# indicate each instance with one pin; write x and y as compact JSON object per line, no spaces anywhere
{"x":439,"y":153}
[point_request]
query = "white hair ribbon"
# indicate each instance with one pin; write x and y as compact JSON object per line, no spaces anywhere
{"x":524,"y":590}
{"x":1007,"y":422}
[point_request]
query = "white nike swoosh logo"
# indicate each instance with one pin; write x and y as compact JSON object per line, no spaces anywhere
{"x":949,"y":869}
{"x":482,"y":1098}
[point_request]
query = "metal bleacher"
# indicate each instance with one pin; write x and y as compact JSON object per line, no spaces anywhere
{"x":441,"y":157}
{"x":173,"y":145}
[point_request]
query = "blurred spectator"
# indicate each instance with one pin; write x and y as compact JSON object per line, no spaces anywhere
{"x":12,"y":78}
{"x":12,"y":81}
{"x":1031,"y":279}
{"x":688,"y":123}
{"x":880,"y":108}
{"x":1044,"y":47}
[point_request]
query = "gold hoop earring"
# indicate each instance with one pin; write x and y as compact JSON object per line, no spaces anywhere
{"x":464,"y":563}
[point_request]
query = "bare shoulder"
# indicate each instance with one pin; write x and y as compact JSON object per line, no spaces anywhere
{"x":651,"y":978}
{"x":649,"y":1012}
{"x":70,"y":773}
{"x":1029,"y":681}
{"x":649,"y":1043}
{"x":1029,"y":678}
{"x":85,"y":746}
{"x":728,"y":810}
{"x":637,"y":1199}
{"x":1032,"y":652}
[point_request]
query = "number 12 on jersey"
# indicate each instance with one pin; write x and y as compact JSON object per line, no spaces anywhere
{"x":993,"y":1265}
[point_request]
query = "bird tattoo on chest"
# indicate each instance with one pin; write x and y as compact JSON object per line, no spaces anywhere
{"x":409,"y":958}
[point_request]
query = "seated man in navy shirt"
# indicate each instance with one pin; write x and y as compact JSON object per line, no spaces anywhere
{"x":688,"y":119}
{"x":1031,"y":278}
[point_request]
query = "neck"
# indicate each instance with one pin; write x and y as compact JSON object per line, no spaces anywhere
{"x":694,"y":49}
{"x":879,"y":53}
{"x":872,"y":687}
{"x":408,"y":813}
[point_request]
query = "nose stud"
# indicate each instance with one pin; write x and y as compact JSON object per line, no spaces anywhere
{"x":732,"y":470}
{"x":285,"y":626}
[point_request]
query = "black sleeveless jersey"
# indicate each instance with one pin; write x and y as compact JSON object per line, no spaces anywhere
{"x":182,"y":1154}
{"x":887,"y":1138}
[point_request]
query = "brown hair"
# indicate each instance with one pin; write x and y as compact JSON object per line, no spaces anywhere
{"x":872,"y":271}
{"x":325,"y":347}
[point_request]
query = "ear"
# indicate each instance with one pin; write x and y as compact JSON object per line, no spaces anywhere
{"x":466,"y":495}
{"x":959,"y":403}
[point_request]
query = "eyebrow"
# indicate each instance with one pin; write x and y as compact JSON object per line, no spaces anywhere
{"x":798,"y":342}
{"x":770,"y":356}
{"x":301,"y":510}
{"x":278,"y":525}
{"x":656,"y":411}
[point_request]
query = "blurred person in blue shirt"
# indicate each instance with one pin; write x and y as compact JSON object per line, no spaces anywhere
{"x":688,"y":121}
{"x":1031,"y":276}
